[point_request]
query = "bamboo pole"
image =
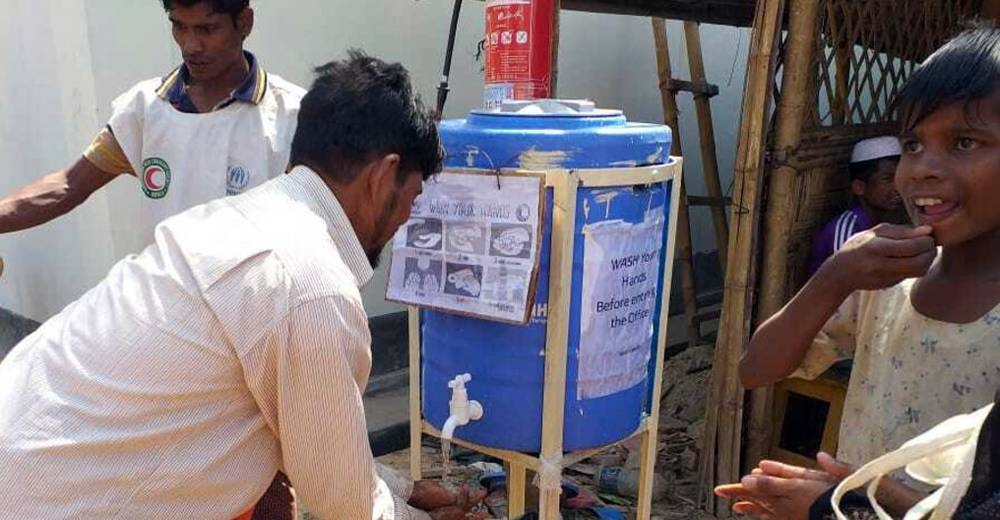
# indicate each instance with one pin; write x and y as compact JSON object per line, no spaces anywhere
{"x":842,"y":60}
{"x":797,"y":98}
{"x":706,"y":138}
{"x":725,"y":405}
{"x":684,"y":255}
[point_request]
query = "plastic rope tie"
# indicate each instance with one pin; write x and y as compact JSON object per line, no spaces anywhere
{"x":549,"y":477}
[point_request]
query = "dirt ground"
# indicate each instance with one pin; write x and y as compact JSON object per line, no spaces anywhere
{"x":670,"y":508}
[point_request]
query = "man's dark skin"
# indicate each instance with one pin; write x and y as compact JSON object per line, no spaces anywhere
{"x":212,"y":46}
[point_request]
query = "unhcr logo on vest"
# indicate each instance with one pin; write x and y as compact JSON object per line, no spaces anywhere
{"x":237,"y":180}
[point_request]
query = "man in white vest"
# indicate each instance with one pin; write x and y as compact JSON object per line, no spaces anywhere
{"x":216,"y":125}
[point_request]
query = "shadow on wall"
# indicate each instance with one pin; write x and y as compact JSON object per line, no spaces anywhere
{"x":13,"y":328}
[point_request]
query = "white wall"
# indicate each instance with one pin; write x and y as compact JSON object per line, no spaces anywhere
{"x":68,"y":73}
{"x":47,"y":115}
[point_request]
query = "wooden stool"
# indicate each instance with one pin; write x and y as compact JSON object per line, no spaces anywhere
{"x":806,"y":418}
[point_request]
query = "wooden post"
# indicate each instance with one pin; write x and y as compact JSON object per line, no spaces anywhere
{"x":650,"y":438}
{"x":797,"y":99}
{"x":706,"y":139}
{"x":416,"y":418}
{"x":725,"y":405}
{"x":684,"y":255}
{"x":557,"y":336}
{"x":516,"y":487}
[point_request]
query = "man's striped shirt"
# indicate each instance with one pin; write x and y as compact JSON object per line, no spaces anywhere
{"x":234,"y":346}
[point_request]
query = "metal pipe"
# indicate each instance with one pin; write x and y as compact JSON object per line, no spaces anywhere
{"x":443,"y":89}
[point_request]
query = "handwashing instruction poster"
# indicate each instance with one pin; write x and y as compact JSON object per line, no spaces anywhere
{"x":620,"y":282}
{"x":471,"y":246}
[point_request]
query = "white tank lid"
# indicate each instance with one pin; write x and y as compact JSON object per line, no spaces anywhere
{"x":550,"y":107}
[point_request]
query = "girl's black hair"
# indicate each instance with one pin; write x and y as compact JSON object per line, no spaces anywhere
{"x":967,"y":68}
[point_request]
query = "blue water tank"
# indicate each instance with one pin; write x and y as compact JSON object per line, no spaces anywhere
{"x":506,"y":361}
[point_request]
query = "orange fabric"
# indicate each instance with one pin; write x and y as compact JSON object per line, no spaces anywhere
{"x":245,"y":516}
{"x":105,"y":153}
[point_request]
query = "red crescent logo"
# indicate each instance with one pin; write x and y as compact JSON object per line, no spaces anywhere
{"x":150,"y":173}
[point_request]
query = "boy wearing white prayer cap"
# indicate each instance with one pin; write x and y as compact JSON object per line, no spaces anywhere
{"x":872,"y":168}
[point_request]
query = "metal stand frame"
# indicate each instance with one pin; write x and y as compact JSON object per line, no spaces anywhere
{"x":565,"y":184}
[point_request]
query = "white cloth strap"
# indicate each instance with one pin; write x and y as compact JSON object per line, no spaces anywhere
{"x":948,"y":447}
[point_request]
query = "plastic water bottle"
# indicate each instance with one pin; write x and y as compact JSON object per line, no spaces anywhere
{"x":624,"y":480}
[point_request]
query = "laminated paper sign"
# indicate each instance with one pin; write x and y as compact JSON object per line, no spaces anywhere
{"x":620,"y":284}
{"x":471,"y":246}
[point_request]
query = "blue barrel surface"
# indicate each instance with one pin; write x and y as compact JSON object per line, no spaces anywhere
{"x":506,"y":361}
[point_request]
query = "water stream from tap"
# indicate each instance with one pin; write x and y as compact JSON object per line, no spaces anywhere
{"x":445,"y":459}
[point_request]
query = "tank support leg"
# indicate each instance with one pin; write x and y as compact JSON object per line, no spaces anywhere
{"x":416,"y":419}
{"x":516,"y":487}
{"x":648,"y":455}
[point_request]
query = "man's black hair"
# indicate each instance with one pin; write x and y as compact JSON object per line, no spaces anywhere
{"x":967,"y":68}
{"x":231,"y":7}
{"x":863,"y":170}
{"x":359,"y":109}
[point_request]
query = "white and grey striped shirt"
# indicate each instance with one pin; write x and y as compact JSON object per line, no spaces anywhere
{"x":233,"y":346}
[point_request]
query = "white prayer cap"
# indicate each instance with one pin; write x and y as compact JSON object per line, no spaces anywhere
{"x":875,"y":148}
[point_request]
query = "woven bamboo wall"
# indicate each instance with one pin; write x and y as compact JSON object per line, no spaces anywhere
{"x":866,"y":49}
